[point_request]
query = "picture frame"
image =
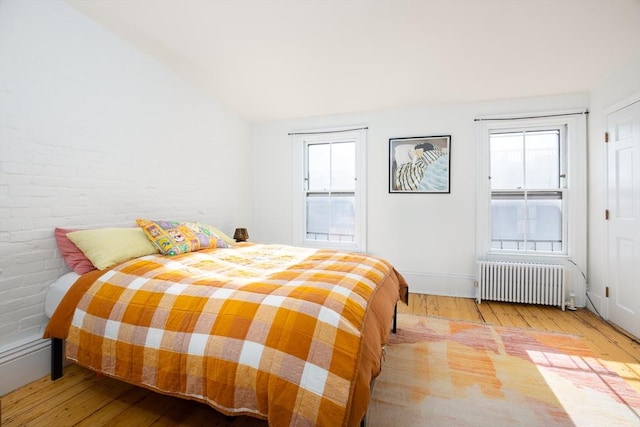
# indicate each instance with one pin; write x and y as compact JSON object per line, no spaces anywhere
{"x":420,"y":164}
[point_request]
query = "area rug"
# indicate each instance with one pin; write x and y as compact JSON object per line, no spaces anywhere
{"x":438,"y":372}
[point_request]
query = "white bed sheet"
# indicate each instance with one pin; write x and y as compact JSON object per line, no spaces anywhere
{"x":57,"y":291}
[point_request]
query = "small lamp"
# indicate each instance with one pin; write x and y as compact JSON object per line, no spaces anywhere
{"x":241,"y":235}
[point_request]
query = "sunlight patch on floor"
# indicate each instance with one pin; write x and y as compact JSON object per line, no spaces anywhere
{"x":630,"y":372}
{"x":589,"y":391}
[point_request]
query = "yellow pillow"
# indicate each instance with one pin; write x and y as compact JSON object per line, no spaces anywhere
{"x":109,"y":246}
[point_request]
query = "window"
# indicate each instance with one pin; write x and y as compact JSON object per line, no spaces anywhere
{"x":527,"y":181}
{"x":531,"y":187}
{"x":329,"y":209}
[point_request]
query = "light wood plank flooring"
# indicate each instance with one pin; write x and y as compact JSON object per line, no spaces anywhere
{"x":82,"y":398}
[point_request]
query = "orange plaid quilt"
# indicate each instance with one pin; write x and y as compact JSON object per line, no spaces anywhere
{"x":271,"y":331}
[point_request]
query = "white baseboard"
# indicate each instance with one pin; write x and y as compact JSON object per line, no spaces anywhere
{"x":23,"y":363}
{"x":440,"y":284}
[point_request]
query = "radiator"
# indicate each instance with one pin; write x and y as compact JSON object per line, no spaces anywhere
{"x":521,"y":282}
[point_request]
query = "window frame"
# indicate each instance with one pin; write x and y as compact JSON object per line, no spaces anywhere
{"x":561,"y":189}
{"x":357,"y":134}
{"x":574,"y":191}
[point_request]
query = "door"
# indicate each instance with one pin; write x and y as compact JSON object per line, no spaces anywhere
{"x":623,"y":180}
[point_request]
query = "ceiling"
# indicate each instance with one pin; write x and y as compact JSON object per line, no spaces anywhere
{"x":268,"y":59}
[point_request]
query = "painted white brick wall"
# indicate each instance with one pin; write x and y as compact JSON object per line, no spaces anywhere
{"x":95,"y":133}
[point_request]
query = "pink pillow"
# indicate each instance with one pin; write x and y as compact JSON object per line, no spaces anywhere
{"x":75,"y":259}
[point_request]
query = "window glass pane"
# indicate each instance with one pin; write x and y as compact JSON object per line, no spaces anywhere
{"x":319,"y":162}
{"x":542,"y":159}
{"x":544,"y":225}
{"x":507,"y":160}
{"x":343,"y":218}
{"x":331,"y":218}
{"x":507,"y":222}
{"x":343,"y":166}
{"x":318,"y":217}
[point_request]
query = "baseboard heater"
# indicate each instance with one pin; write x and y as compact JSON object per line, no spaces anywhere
{"x":528,"y":283}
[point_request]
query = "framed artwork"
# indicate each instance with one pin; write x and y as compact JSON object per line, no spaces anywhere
{"x":420,"y":164}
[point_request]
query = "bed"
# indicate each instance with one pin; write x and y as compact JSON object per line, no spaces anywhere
{"x":291,"y":335}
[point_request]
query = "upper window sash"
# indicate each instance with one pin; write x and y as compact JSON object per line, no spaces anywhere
{"x":336,"y":156}
{"x":521,"y":169}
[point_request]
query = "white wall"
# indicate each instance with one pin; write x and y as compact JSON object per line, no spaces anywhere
{"x":95,"y":133}
{"x":622,"y":85}
{"x":430,"y":238}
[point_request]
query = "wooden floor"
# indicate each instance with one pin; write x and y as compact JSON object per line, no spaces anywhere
{"x":82,"y":398}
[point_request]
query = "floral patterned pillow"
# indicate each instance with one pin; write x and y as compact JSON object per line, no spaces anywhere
{"x":173,"y":237}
